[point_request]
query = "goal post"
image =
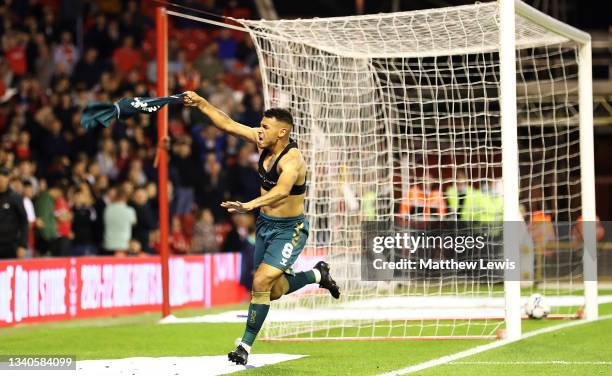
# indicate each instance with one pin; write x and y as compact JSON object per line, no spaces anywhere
{"x":510,"y":160}
{"x":587,"y":168}
{"x":161,"y":30}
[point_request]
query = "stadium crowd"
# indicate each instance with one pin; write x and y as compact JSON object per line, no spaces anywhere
{"x":95,"y":192}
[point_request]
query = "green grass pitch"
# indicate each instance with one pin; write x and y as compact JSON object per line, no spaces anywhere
{"x":583,"y":348}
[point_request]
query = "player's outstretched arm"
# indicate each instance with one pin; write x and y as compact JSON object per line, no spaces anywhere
{"x":287,"y":178}
{"x":219,"y":118}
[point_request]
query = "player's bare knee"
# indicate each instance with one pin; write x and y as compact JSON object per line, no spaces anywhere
{"x":262,"y":282}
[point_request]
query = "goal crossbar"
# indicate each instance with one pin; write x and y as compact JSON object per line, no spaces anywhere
{"x":311,"y":31}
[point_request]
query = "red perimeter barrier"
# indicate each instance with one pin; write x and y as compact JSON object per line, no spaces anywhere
{"x":56,"y":289}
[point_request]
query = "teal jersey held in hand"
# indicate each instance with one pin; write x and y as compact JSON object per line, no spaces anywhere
{"x":102,"y":113}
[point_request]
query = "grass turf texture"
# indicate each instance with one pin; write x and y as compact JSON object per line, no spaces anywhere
{"x":140,"y":335}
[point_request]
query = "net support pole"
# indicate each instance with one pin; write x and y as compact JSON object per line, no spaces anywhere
{"x":510,"y":173}
{"x":587,"y":180}
{"x":161,"y":25}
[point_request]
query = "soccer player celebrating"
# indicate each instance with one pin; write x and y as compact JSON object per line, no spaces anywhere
{"x":282,"y":229}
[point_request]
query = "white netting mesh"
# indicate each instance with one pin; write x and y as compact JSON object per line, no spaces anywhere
{"x":387,"y":103}
{"x":445,"y":31}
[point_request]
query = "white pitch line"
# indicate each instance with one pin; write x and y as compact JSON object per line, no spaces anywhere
{"x":163,"y":366}
{"x":537,"y":362}
{"x":487,"y":347}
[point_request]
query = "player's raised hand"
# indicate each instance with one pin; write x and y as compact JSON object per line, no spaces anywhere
{"x":235,"y":206}
{"x":192,"y":99}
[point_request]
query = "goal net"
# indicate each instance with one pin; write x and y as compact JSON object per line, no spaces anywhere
{"x":399,"y":120}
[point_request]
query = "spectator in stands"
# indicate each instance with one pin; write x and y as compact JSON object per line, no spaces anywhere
{"x":128,"y":23}
{"x":153,"y":202}
{"x":109,"y":83}
{"x":213,"y":192}
{"x":188,"y":78}
{"x":138,"y":18}
{"x":66,"y":54}
{"x":491,"y":201}
{"x":94,"y":175}
{"x":578,"y":229}
{"x":124,"y":155}
{"x":243,"y":176}
{"x":98,"y":37}
{"x":208,"y":65}
{"x":114,"y":34}
{"x":249,"y":89}
{"x":188,"y":173}
{"x":89,"y":69}
{"x":63,"y":219}
{"x":118,"y":221}
{"x":28,"y":204}
{"x":246,"y":53}
{"x":247,"y":263}
{"x":44,"y":64}
{"x":368,"y":205}
{"x":223,"y":98}
{"x":22,"y":146}
{"x":53,"y":145}
{"x":232,"y":149}
{"x":16,"y":185}
{"x":79,"y":170}
{"x":455,"y":196}
{"x":135,"y":249}
{"x":14,"y":53}
{"x":107,"y":160}
{"x":204,"y":238}
{"x":128,"y":188}
{"x":84,"y":220}
{"x":104,"y":195}
{"x":227,"y":45}
{"x":435,"y":204}
{"x":238,"y":238}
{"x":13,"y":220}
{"x":136,"y":174}
{"x":253,"y":111}
{"x":424,"y":200}
{"x":210,"y":141}
{"x":470,"y":209}
{"x":241,"y":238}
{"x":413,"y":202}
{"x":178,"y":240}
{"x":541,"y":227}
{"x":50,"y":26}
{"x":46,"y":227}
{"x":145,"y":219}
{"x":127,"y":57}
{"x":63,"y":111}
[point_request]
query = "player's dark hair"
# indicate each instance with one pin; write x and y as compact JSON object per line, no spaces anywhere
{"x":279,"y":114}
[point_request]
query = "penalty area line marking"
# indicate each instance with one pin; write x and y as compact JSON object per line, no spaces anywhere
{"x":489,"y":346}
